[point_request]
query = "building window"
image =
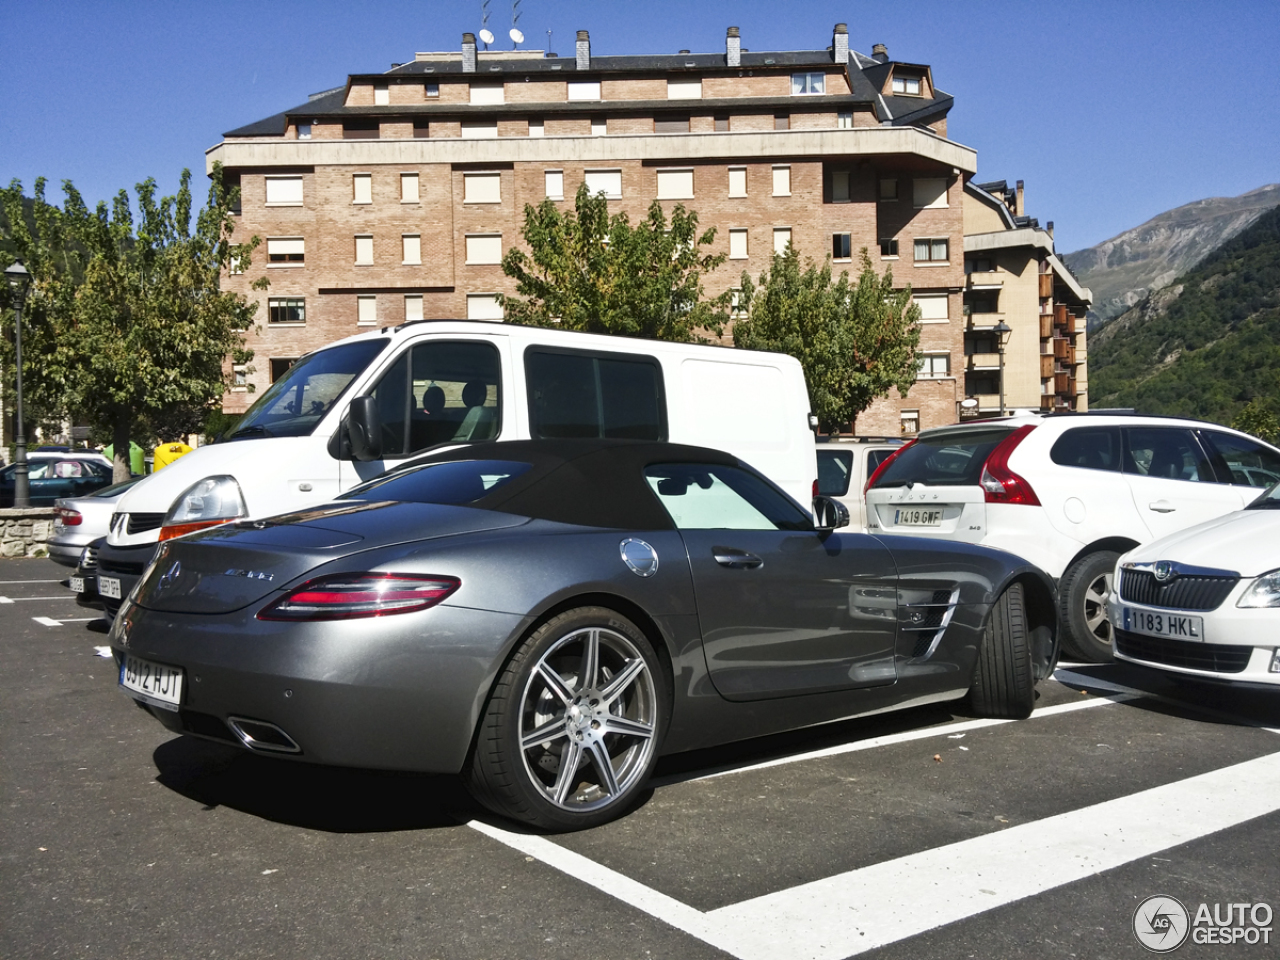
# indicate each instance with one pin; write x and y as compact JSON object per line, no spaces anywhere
{"x":608,"y":182}
{"x":781,"y":239}
{"x":669,"y":125}
{"x":381,"y":95}
{"x":484,"y":248}
{"x":888,"y":189}
{"x":934,"y":366}
{"x":932,"y":250}
{"x":536,"y":128}
{"x":483,"y":306}
{"x":411,"y":245}
{"x":988,"y":301}
{"x":675,"y":184}
{"x":737,"y":244}
{"x":584,"y":90}
{"x":239,"y":377}
{"x":360,"y":130}
{"x":978,"y":265}
{"x":408,"y":188}
{"x":933,"y":307}
{"x":782,"y":121}
{"x":304,"y":131}
{"x":479,"y":129}
{"x":737,"y":181}
{"x":482,"y":188}
{"x":362,"y":188}
{"x":782,"y":181}
{"x":483,"y":93}
{"x":555,"y":184}
{"x":421,"y":129}
{"x":432,"y":90}
{"x":284,"y":191}
{"x":735,"y":303}
{"x":412,"y":307}
{"x":804,"y":84}
{"x":907,"y":85}
{"x":889,"y":247}
{"x":287,"y":250}
{"x":684,"y":89}
{"x":841,"y":246}
{"x":844,"y":120}
{"x":722,"y":123}
{"x":280,"y":366}
{"x":286,"y":310}
{"x":909,"y":421}
{"x":929,"y":194}
{"x":364,"y":249}
{"x":840,"y":186}
{"x":235,"y":266}
{"x":599,"y":126}
{"x":366,"y":310}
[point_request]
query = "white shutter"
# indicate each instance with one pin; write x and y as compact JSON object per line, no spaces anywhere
{"x":482,"y":93}
{"x":361,"y":188}
{"x":555,"y":184}
{"x":608,"y":182}
{"x":584,"y":89}
{"x":536,"y":128}
{"x":599,"y":126}
{"x":675,"y":184}
{"x":737,"y":244}
{"x":408,"y":188}
{"x":381,"y":95}
{"x":483,"y":306}
{"x":412,"y":244}
{"x":484,"y":249}
{"x":481,"y":188}
{"x":930,"y":193}
{"x":782,"y":181}
{"x":933,"y":307}
{"x":284,"y":191}
{"x":367,"y":310}
{"x":781,"y":237}
{"x":479,"y":129}
{"x":737,"y":181}
{"x":412,"y":308}
{"x":364,"y":249}
{"x":286,"y":247}
{"x":684,"y":89}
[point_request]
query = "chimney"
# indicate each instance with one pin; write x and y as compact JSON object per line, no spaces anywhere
{"x":468,"y":53}
{"x":733,"y":47}
{"x":584,"y":50}
{"x":840,"y":44}
{"x":1049,"y":229}
{"x":1019,"y":211}
{"x":880,"y":53}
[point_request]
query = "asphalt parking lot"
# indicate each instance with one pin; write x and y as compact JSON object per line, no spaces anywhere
{"x":919,"y":834}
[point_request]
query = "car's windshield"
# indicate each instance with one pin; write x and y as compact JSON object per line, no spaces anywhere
{"x":950,"y":458}
{"x":453,"y":482}
{"x":1270,"y":500}
{"x":295,"y":403}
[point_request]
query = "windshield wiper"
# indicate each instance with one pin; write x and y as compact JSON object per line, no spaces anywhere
{"x":251,"y":430}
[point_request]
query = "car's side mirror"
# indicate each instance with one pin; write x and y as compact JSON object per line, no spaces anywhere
{"x":364,"y":428}
{"x":829,"y":514}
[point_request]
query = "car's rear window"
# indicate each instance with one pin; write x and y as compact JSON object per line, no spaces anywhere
{"x":950,"y":459}
{"x":460,"y":481}
{"x":834,"y":468}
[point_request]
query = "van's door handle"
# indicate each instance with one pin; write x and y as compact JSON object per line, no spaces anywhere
{"x":1162,"y":506}
{"x":735,"y":559}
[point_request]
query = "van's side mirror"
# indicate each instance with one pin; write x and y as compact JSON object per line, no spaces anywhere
{"x":829,"y":514}
{"x":364,"y":428}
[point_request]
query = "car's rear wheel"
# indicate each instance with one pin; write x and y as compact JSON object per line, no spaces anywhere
{"x":571,"y":731}
{"x":1003,"y":678}
{"x":1082,"y":605}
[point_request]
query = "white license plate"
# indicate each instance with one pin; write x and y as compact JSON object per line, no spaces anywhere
{"x":916,"y":517}
{"x":156,"y":683}
{"x":109,"y":587}
{"x":1170,"y":626}
{"x":76,"y":584}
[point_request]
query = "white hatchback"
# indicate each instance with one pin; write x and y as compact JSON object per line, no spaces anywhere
{"x":1070,"y":493}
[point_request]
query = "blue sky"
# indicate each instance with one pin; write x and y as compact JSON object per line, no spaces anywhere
{"x":1110,"y":111}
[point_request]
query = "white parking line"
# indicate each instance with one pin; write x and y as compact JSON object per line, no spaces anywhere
{"x":9,"y":583}
{"x":50,"y":622}
{"x":860,"y":910}
{"x":65,"y":596}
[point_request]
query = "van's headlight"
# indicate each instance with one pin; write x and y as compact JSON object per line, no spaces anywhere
{"x":1265,"y":592}
{"x":208,"y":503}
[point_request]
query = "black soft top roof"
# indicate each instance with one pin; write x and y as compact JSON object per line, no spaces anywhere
{"x":594,"y":483}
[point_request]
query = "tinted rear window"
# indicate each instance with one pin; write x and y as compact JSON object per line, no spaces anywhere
{"x":461,"y":481}
{"x":1093,"y":448}
{"x":834,"y":467}
{"x":576,"y":396}
{"x":947,"y":460}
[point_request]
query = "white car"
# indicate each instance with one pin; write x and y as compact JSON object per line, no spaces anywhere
{"x":1206,"y":602}
{"x":1070,"y":493}
{"x":845,"y":465}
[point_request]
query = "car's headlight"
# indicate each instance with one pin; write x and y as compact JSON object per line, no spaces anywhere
{"x":208,"y":503}
{"x":1265,"y":592}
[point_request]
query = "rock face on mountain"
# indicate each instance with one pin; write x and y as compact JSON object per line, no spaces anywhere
{"x":1123,"y":270}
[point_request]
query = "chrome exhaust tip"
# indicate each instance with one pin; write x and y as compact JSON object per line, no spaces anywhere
{"x":262,"y":736}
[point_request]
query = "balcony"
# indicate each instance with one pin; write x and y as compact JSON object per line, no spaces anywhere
{"x":1061,"y":382}
{"x":1046,"y":284}
{"x":1061,"y":318}
{"x":1060,"y":347}
{"x":983,"y":361}
{"x":1046,"y":366}
{"x":984,"y":280}
{"x":1046,"y":326}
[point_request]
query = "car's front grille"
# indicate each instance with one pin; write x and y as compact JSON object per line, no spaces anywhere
{"x":129,"y":567}
{"x":1217,"y":657}
{"x":1181,"y":593}
{"x":142,"y":522}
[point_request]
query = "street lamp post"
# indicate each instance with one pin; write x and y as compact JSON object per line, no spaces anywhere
{"x":1002,"y":331}
{"x":19,"y":278}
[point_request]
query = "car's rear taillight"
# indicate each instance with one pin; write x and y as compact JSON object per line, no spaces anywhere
{"x":68,"y":517}
{"x":999,"y":483}
{"x":352,"y":595}
{"x":884,"y":463}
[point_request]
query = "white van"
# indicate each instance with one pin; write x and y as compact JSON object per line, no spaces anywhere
{"x":351,"y":410}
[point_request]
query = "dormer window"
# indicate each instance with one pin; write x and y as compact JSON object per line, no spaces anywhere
{"x":807,"y":84}
{"x":908,"y":86}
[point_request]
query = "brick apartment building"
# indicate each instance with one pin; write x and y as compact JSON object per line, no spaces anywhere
{"x":394,"y":197}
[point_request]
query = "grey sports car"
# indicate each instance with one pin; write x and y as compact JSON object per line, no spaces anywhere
{"x":547,"y":617}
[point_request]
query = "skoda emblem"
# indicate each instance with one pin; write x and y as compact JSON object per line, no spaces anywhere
{"x":640,"y":558}
{"x":170,"y":576}
{"x":1164,"y":571}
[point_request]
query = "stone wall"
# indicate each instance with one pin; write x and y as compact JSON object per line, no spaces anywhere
{"x":25,"y":532}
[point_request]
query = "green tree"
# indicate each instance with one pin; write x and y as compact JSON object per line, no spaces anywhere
{"x":1258,"y":418}
{"x":128,"y":323}
{"x":855,"y":340}
{"x":586,"y":270}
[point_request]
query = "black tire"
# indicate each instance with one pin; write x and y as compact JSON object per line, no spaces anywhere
{"x":1082,"y":595}
{"x":1003,"y":678}
{"x":613,"y":720}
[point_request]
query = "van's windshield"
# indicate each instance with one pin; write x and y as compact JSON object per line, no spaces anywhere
{"x":295,"y":403}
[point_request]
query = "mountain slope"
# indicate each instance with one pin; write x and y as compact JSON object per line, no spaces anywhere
{"x":1204,"y":345}
{"x":1124,"y":269}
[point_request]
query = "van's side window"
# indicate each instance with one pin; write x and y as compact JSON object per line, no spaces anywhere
{"x":1094,"y":448}
{"x":440,"y":392}
{"x":573,"y":394}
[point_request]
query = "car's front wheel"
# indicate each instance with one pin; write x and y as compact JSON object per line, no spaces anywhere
{"x":1082,"y":605}
{"x":571,"y":731}
{"x":1004,"y":683}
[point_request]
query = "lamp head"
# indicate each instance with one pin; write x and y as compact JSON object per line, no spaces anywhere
{"x":1002,"y":331}
{"x":19,"y":279}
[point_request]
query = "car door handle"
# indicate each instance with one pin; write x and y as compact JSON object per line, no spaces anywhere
{"x":735,"y":559}
{"x":1162,"y":506}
